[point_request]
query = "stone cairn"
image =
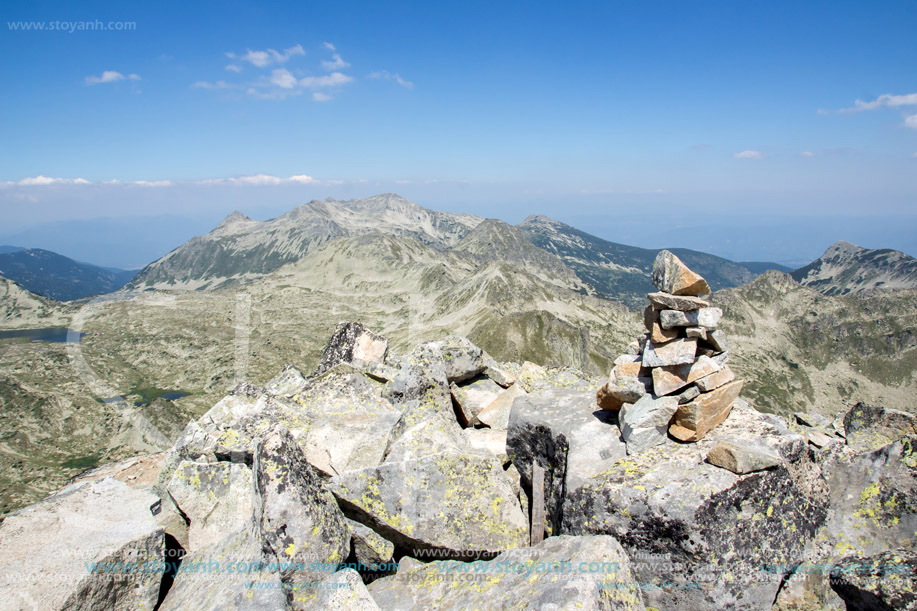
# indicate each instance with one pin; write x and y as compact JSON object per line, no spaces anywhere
{"x":674,"y":379}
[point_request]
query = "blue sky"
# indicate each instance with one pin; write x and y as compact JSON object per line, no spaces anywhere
{"x":680,"y":113}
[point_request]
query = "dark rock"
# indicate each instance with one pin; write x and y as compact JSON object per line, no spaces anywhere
{"x":883,"y":582}
{"x":869,"y":428}
{"x":354,"y":344}
{"x":299,"y":521}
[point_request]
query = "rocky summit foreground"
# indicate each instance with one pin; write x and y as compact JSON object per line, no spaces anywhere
{"x":421,"y":481}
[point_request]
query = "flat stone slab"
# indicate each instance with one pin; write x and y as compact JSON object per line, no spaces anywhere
{"x":667,"y":380}
{"x":676,"y":352}
{"x":708,"y":318}
{"x":667,"y":301}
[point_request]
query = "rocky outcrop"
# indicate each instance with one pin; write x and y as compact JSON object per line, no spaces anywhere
{"x":881,"y":582}
{"x":354,"y":344}
{"x":84,"y":548}
{"x":461,"y":506}
{"x":558,"y":573}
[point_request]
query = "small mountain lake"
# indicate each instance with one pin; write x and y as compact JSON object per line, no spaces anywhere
{"x":56,"y":335}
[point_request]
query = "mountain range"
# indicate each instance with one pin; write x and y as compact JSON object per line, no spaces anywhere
{"x":249,"y":297}
{"x":58,"y":277}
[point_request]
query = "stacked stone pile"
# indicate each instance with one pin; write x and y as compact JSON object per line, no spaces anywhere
{"x":674,"y":379}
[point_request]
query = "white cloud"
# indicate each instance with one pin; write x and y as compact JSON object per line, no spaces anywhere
{"x":336,"y":64}
{"x":110,"y":76}
{"x":153,"y":183}
{"x":911,"y":121}
{"x":330,"y":80}
{"x":886,"y":100}
{"x":807,"y":154}
{"x":318,"y":96}
{"x":41,"y":181}
{"x":262,"y":59}
{"x":749,"y":155}
{"x":260,"y":180}
{"x":389,"y":76}
{"x":216,"y":85}
{"x":233,"y":68}
{"x":283,"y":78}
{"x":329,"y":46}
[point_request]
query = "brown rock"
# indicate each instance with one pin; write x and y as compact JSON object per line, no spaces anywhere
{"x":667,"y":380}
{"x":716,"y":379}
{"x":628,"y":370}
{"x":672,"y":276}
{"x":675,"y":352}
{"x":660,"y":336}
{"x":694,"y":420}
{"x":666,"y":301}
{"x":617,"y":392}
{"x":496,"y":414}
{"x":744,"y":458}
{"x":650,"y":315}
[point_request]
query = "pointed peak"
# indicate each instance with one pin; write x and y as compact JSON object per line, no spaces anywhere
{"x":235,"y":217}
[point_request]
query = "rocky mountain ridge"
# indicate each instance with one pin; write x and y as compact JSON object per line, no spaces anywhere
{"x":57,"y":277}
{"x":846,"y":268}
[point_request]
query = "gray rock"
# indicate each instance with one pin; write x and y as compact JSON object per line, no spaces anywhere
{"x":72,"y":550}
{"x":233,"y":574}
{"x":488,"y":442}
{"x":806,"y":588}
{"x":216,"y":498}
{"x":677,"y":352}
{"x":299,"y":521}
{"x":708,"y":526}
{"x":461,"y":505}
{"x":368,"y":547}
{"x":717,"y":340}
{"x":672,"y":276}
{"x":742,"y":458}
{"x":541,"y":428}
{"x":354,"y":344}
{"x":688,"y":395}
{"x":666,"y":301}
{"x":812,"y":420}
{"x":473,"y":397}
{"x":286,"y":383}
{"x":496,"y":414}
{"x":708,"y":318}
{"x":696,"y":333}
{"x":869,"y":427}
{"x":819,"y":439}
{"x":551,"y":575}
{"x":883,"y":581}
{"x":421,"y":387}
{"x":463,"y":360}
{"x":873,"y":497}
{"x":501,"y":373}
{"x":342,"y":590}
{"x":433,"y":435}
{"x":645,"y":423}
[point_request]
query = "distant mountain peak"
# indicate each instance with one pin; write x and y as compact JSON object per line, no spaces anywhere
{"x":540,"y":219}
{"x":847,"y":268}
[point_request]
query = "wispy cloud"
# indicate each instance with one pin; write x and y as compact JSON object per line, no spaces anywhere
{"x":336,"y":63}
{"x":209,"y":85}
{"x":911,"y":121}
{"x":329,"y":46}
{"x":757,"y":155}
{"x":265,"y":58}
{"x":233,"y":68}
{"x":886,"y":100}
{"x":390,"y":76}
{"x":318,"y":96}
{"x":110,"y":76}
{"x":259,"y":180}
{"x":41,"y":181}
{"x":283,"y":78}
{"x":807,"y":154}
